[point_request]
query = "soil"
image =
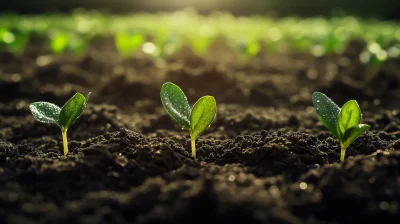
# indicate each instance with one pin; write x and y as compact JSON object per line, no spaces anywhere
{"x":265,"y":159}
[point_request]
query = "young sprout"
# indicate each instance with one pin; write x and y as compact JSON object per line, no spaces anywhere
{"x":248,"y":48}
{"x":50,"y":113}
{"x":195,"y":121}
{"x":128,"y":44}
{"x":344,"y":123}
{"x":201,"y":44}
{"x":59,"y":42}
{"x":78,"y":44}
{"x":15,"y":42}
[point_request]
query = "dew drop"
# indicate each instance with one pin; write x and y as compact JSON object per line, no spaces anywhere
{"x":121,"y":160}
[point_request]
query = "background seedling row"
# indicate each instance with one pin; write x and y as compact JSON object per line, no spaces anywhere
{"x":161,"y":35}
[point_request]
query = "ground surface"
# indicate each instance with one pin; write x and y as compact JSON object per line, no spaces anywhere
{"x":265,"y":159}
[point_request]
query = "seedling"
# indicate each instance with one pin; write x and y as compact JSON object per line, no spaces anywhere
{"x":14,"y":41}
{"x":248,"y":48}
{"x":59,"y":42}
{"x":201,"y":44}
{"x":344,"y":123}
{"x":50,"y":113}
{"x":194,"y":120}
{"x":127,"y":44}
{"x":78,"y":44}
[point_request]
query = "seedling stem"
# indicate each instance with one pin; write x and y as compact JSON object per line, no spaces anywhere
{"x":342,"y":153}
{"x":193,"y":140}
{"x":65,"y":140}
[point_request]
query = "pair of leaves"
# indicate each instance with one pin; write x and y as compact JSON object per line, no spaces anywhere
{"x":343,"y":122}
{"x":196,"y":120}
{"x":50,"y":113}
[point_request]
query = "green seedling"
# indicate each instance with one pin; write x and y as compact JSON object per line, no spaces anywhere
{"x":50,"y":113}
{"x":128,"y":44}
{"x":59,"y":42}
{"x":248,"y":49}
{"x":78,"y":44}
{"x":344,"y":123}
{"x":14,"y":41}
{"x":201,"y":44}
{"x":194,"y":120}
{"x":332,"y":43}
{"x":167,"y":44}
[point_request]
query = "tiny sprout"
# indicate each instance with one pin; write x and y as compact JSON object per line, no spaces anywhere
{"x":128,"y":44}
{"x":195,"y":121}
{"x":50,"y":113}
{"x":59,"y":42}
{"x":344,"y":123}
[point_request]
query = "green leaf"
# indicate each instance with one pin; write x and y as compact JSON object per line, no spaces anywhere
{"x":45,"y":112}
{"x":349,"y":116}
{"x":353,"y":133}
{"x":128,"y":44}
{"x":203,"y":113}
{"x":327,"y":111}
{"x":59,"y":43}
{"x":200,"y":44}
{"x":18,"y":45}
{"x":72,"y":110}
{"x":77,"y":45}
{"x":176,"y":104}
{"x":253,"y":48}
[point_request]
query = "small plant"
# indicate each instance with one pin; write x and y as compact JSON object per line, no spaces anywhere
{"x":78,"y":44}
{"x":344,"y":123}
{"x":248,"y":48}
{"x":50,"y":113}
{"x":59,"y":42}
{"x":128,"y":44}
{"x":13,"y":40}
{"x":195,"y":121}
{"x":201,"y":44}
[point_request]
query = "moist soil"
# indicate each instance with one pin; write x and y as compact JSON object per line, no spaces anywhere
{"x":266,"y":158}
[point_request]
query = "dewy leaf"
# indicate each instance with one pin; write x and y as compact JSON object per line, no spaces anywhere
{"x":353,"y":133}
{"x":327,"y":111}
{"x":72,"y":110}
{"x":176,"y":104}
{"x":45,"y":112}
{"x":203,"y":114}
{"x":349,"y":116}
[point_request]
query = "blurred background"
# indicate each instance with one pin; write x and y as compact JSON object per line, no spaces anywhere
{"x":321,"y":44}
{"x":387,"y":9}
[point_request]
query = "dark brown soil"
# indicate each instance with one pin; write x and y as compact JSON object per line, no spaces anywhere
{"x":265,"y":159}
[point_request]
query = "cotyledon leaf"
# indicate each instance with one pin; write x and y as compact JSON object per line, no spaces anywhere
{"x":72,"y":109}
{"x":175,"y":103}
{"x":349,"y":116}
{"x":327,"y":111}
{"x":353,"y":133}
{"x":203,"y":114}
{"x":45,"y":112}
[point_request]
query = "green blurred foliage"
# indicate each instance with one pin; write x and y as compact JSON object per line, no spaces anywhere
{"x":163,"y":34}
